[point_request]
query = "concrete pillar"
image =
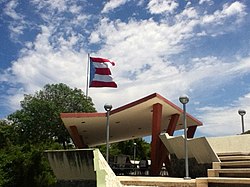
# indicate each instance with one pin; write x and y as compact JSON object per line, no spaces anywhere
{"x":172,"y":124}
{"x":191,"y":131}
{"x":156,"y":142}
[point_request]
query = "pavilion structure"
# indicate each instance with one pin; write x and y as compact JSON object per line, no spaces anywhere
{"x":148,"y":116}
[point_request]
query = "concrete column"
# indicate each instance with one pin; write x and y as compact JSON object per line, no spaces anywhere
{"x":155,"y":144}
{"x":191,"y":131}
{"x":172,"y":124}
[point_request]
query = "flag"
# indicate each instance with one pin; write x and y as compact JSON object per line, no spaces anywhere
{"x":100,"y":74}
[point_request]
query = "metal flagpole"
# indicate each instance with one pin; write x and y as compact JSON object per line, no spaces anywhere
{"x":87,"y":85}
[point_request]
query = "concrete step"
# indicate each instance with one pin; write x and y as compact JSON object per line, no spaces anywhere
{"x":234,"y":158}
{"x":156,"y":181}
{"x":233,"y":154}
{"x":236,"y":172}
{"x":225,"y":181}
{"x":231,"y":164}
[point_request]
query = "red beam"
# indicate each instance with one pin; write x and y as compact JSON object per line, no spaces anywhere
{"x":172,"y":124}
{"x":77,"y":138}
{"x":190,"y":132}
{"x":156,"y":142}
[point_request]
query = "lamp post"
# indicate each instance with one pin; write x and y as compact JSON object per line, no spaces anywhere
{"x":242,"y":113}
{"x":134,"y":152}
{"x":108,"y":108}
{"x":184,"y":100}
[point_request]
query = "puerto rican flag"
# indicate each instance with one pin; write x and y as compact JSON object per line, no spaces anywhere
{"x":100,"y":74}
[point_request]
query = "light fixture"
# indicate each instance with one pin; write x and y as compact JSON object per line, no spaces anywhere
{"x":184,"y":100}
{"x":108,"y":108}
{"x":242,"y":113}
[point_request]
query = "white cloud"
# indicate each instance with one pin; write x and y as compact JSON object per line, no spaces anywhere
{"x":17,"y":24}
{"x":219,"y":121}
{"x":112,"y":4}
{"x":141,"y":50}
{"x":53,"y":5}
{"x":40,"y":64}
{"x":236,"y":10}
{"x":75,"y":9}
{"x":209,"y":2}
{"x":162,"y":6}
{"x":228,"y":19}
{"x":94,"y":37}
{"x":10,"y":10}
{"x":188,"y":13}
{"x":153,"y":39}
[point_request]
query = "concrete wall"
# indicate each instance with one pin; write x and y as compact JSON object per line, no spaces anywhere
{"x":72,"y":164}
{"x":81,"y":167}
{"x":202,"y":150}
{"x":198,"y":148}
{"x":236,"y":143}
{"x":105,"y":175}
{"x":175,"y":145}
{"x":205,"y":150}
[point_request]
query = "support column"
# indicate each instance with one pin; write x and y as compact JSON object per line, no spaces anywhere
{"x":164,"y":152}
{"x":156,"y":142}
{"x":77,"y":139}
{"x":190,"y":132}
{"x":172,"y":124}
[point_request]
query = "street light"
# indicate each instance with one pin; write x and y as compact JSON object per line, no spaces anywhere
{"x":108,"y":108}
{"x":184,"y":100}
{"x":242,"y":113}
{"x":134,"y":154}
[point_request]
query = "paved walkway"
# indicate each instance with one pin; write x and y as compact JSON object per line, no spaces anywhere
{"x":156,"y":181}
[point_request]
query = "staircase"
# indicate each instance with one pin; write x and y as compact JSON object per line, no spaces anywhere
{"x":233,"y":170}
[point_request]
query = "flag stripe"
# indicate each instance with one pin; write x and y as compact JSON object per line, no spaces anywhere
{"x":101,"y":65}
{"x":103,"y":84}
{"x":101,"y":60}
{"x":100,"y":74}
{"x":103,"y":71}
{"x":104,"y":78}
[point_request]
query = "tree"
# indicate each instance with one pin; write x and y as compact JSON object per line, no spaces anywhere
{"x":39,"y":120}
{"x":8,"y":134}
{"x":23,"y":164}
{"x":127,"y":148}
{"x":36,"y":127}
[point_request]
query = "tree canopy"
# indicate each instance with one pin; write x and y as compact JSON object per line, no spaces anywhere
{"x":141,"y":147}
{"x":23,"y":164}
{"x":39,"y":120}
{"x":36,"y":127}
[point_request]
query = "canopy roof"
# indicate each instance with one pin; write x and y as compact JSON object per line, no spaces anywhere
{"x":130,"y":121}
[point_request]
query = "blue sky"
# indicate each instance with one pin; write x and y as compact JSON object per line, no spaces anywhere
{"x":200,"y":48}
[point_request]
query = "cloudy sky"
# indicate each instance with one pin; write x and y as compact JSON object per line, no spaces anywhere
{"x":196,"y":47}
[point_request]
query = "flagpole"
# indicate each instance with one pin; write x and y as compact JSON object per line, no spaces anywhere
{"x":87,"y":85}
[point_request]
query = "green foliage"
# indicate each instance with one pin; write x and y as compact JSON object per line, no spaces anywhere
{"x":127,"y":148}
{"x":39,"y":118}
{"x":8,"y":134}
{"x":24,"y":166}
{"x":36,"y":127}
